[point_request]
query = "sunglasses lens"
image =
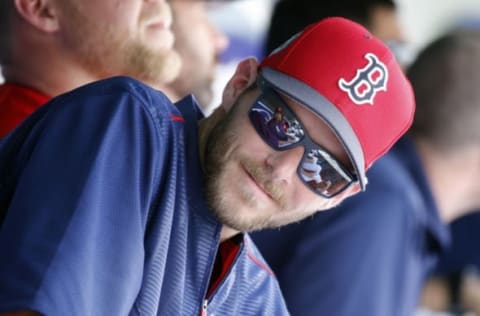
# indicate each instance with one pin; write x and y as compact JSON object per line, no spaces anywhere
{"x":321,"y":172}
{"x":276,"y":125}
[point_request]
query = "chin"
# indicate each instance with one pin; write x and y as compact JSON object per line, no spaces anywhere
{"x":169,"y":69}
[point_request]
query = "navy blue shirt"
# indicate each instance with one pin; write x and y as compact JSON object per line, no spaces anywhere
{"x":463,"y":252}
{"x":369,"y":255}
{"x":103,"y":212}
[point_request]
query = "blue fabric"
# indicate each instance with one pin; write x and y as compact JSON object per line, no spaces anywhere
{"x":367,"y":256}
{"x":463,"y":253}
{"x":103,"y":215}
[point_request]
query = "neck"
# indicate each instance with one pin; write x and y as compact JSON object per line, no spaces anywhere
{"x":205,"y":127}
{"x":453,"y":177}
{"x":40,"y":62}
{"x":169,"y":92}
{"x":227,"y":233}
{"x":52,"y":81}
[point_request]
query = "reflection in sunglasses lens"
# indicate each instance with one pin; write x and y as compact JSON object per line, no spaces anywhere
{"x":278,"y":126}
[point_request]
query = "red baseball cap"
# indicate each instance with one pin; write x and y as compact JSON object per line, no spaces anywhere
{"x":351,"y":80}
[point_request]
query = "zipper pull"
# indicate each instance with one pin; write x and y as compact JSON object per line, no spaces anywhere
{"x":204,"y":307}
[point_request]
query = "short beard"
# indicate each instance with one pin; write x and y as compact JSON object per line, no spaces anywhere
{"x":103,"y":52}
{"x":150,"y":66}
{"x":217,"y":155}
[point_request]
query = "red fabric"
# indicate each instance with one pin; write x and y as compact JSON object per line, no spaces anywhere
{"x":227,"y":252}
{"x":338,"y":62}
{"x":16,"y":103}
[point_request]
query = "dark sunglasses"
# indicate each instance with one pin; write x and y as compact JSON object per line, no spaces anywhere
{"x":281,"y":129}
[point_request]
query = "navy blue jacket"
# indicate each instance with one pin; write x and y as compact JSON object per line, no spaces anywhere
{"x":104,"y":214}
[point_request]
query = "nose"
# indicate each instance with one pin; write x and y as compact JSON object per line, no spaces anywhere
{"x":283,"y":164}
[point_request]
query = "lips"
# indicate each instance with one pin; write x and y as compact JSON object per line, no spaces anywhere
{"x":164,"y":24}
{"x":157,"y":18}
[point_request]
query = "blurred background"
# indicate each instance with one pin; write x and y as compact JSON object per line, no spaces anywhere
{"x":246,"y":22}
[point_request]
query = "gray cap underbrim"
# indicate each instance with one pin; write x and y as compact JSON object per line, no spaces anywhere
{"x":328,"y":112}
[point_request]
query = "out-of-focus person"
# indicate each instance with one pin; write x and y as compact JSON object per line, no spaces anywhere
{"x":199,"y":43}
{"x":50,"y":47}
{"x":454,"y":284}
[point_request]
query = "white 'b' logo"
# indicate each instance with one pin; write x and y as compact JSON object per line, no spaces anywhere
{"x":367,"y":81}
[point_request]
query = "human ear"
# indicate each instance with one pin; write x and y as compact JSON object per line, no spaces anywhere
{"x":244,"y":76}
{"x":39,"y":13}
{"x":353,"y":189}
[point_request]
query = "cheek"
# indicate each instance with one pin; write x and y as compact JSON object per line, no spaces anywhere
{"x":121,"y":14}
{"x":252,"y":147}
{"x":198,"y":45}
{"x":197,"y":49}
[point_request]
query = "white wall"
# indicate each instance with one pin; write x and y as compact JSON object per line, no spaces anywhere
{"x":424,"y":20}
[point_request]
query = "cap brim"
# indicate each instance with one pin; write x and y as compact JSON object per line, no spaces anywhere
{"x":328,"y":112}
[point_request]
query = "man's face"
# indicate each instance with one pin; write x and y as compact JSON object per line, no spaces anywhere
{"x":199,"y":44}
{"x":251,"y":186}
{"x":120,"y":37}
{"x":385,"y":24}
